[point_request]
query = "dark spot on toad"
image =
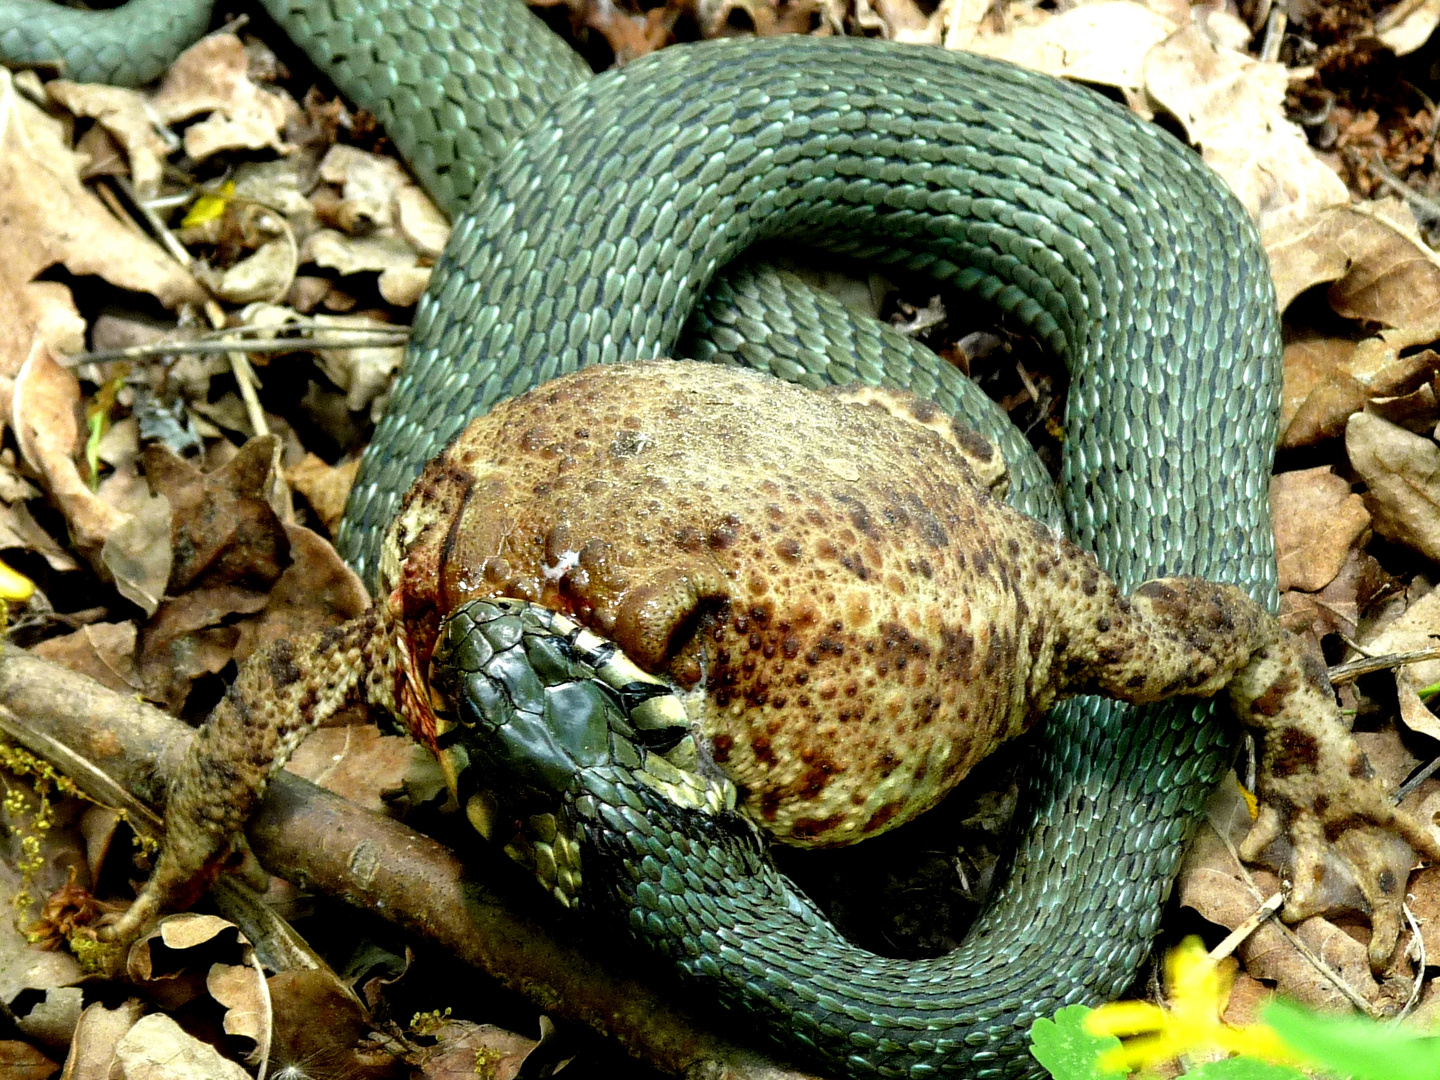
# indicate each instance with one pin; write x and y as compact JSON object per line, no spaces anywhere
{"x":1297,"y":751}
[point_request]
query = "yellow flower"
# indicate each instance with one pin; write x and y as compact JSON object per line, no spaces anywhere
{"x":14,"y":585}
{"x":1196,"y":991}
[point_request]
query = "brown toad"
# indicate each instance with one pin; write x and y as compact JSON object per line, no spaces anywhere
{"x":854,"y":621}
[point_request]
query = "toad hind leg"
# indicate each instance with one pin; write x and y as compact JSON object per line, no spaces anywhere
{"x":282,"y":693}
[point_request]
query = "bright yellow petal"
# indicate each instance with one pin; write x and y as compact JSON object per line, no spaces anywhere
{"x":1122,"y":1018}
{"x":1144,"y":1052}
{"x":14,"y":585}
{"x":209,"y":206}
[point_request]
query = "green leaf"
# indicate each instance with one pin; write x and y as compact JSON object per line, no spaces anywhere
{"x":1067,"y":1050}
{"x":1354,"y":1045}
{"x":1244,"y":1068}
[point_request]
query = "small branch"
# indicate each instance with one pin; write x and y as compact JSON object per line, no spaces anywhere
{"x":378,"y":864}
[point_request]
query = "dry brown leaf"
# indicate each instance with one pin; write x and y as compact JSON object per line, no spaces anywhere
{"x":1417,"y":628}
{"x":1104,"y":43}
{"x":1393,"y":279}
{"x":1319,"y":247}
{"x":157,"y":1048}
{"x":19,"y":529}
{"x":1318,"y":519}
{"x":1408,"y":25}
{"x":403,"y":286}
{"x":317,"y":591}
{"x":459,"y":1042}
{"x":104,"y":651}
{"x":51,"y":218}
{"x":356,"y":254}
{"x":100,"y":1029}
{"x":237,"y":987}
{"x":1328,"y":379}
{"x":420,"y":222}
{"x":21,"y":1061}
{"x":137,"y":553}
{"x":263,"y":276}
{"x":230,"y":548}
{"x":212,"y":76}
{"x":1233,"y":107}
{"x":1402,"y":472}
{"x":369,"y":186}
{"x":956,"y":23}
{"x":1424,"y":894}
{"x":125,"y":115}
{"x":317,"y":1019}
{"x":43,"y":411}
{"x":356,"y":761}
{"x":325,"y":487}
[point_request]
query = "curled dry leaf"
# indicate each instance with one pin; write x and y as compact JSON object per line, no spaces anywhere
{"x":1373,"y":251}
{"x":1402,"y":473}
{"x":1233,"y":107}
{"x":43,"y":408}
{"x":137,"y":553}
{"x":51,"y":218}
{"x":265,"y":275}
{"x":1104,"y":43}
{"x":1408,"y":25}
{"x":420,"y":221}
{"x":231,"y":548}
{"x":52,"y":1021}
{"x":1417,"y":628}
{"x":1327,"y":379}
{"x":1318,"y":519}
{"x":325,"y":487}
{"x":21,"y":1061}
{"x":237,"y":988}
{"x":212,"y":76}
{"x":369,"y":186}
{"x":1393,"y":279}
{"x":125,"y":115}
{"x":317,"y":1019}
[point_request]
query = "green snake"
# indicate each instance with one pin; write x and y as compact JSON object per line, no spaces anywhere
{"x":603,"y":211}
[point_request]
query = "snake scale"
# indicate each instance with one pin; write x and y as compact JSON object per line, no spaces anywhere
{"x":604,"y":208}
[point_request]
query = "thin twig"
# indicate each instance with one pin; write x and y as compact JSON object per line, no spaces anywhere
{"x":1353,"y":669}
{"x":369,"y":338}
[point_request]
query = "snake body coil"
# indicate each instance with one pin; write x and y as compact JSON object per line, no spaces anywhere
{"x":594,"y":238}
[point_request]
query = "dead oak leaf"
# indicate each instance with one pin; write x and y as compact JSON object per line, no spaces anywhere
{"x":1328,"y":379}
{"x":212,"y":76}
{"x":223,"y":529}
{"x":1383,"y":272}
{"x":1418,"y":627}
{"x":1104,"y":43}
{"x":51,"y":218}
{"x":1402,"y":473}
{"x":229,"y":549}
{"x":1318,"y":519}
{"x":1233,"y":107}
{"x":317,"y":591}
{"x":43,"y":409}
{"x":124,"y":114}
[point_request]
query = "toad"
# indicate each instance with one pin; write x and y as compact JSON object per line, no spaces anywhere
{"x":851,"y":620}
